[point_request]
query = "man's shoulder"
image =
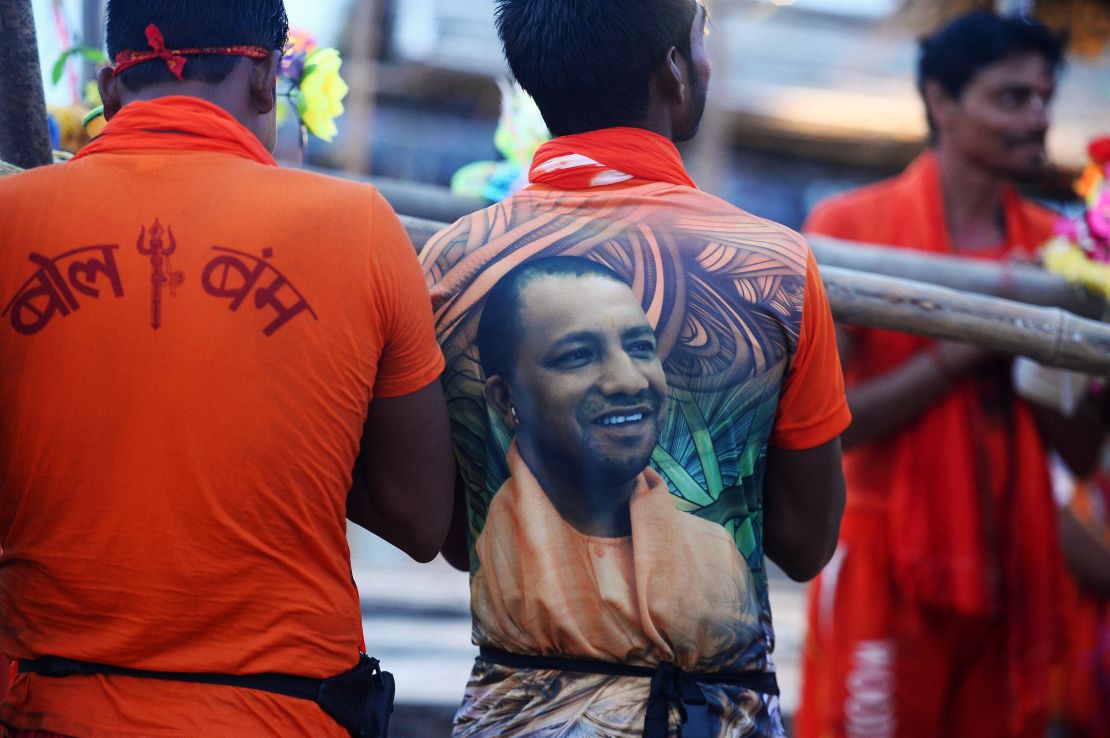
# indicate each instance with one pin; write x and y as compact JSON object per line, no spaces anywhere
{"x":720,"y":221}
{"x":20,"y":180}
{"x":323,"y":188}
{"x":859,"y":207}
{"x":694,"y":216}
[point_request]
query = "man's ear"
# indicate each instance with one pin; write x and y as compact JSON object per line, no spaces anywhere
{"x":108,"y":85}
{"x":499,"y":397}
{"x":938,"y":103}
{"x":672,"y":77}
{"x":263,"y":82}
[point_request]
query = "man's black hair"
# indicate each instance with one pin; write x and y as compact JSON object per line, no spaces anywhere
{"x":960,"y":50}
{"x":193,"y":24}
{"x":500,"y":329}
{"x":588,"y":63}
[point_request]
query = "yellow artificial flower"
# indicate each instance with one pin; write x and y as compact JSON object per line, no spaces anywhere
{"x":321,"y":93}
{"x":1070,"y":262}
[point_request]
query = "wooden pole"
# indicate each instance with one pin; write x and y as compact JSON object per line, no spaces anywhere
{"x":361,"y":69}
{"x":1048,"y":334}
{"x":92,"y":34}
{"x":24,"y":133}
{"x":1021,"y":282}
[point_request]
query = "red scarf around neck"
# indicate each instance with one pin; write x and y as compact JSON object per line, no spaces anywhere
{"x":177,"y":123}
{"x":608,"y":156}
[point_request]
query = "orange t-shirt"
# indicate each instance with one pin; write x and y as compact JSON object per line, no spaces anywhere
{"x":190,"y":340}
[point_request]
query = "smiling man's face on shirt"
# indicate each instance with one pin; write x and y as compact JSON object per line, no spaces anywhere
{"x":588,"y":386}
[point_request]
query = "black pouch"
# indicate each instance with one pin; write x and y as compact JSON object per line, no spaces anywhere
{"x":361,"y":700}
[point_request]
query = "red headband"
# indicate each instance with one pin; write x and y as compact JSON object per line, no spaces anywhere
{"x":175,"y":58}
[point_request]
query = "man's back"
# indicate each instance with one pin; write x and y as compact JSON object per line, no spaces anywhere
{"x":745,"y":340}
{"x":191,"y":339}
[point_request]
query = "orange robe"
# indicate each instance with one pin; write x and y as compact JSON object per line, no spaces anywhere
{"x":544,"y":588}
{"x":949,"y":536}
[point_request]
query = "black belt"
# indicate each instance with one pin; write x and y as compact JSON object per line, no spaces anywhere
{"x":360,"y":699}
{"x":669,"y":685}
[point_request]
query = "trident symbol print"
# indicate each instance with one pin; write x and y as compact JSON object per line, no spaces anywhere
{"x":161,"y":273}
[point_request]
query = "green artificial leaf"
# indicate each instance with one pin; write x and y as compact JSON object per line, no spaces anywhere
{"x":90,"y":53}
{"x":93,"y":54}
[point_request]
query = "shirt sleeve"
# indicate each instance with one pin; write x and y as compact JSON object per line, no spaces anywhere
{"x":812,"y":409}
{"x":410,"y":358}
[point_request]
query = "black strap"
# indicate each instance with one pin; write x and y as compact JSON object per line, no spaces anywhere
{"x":304,"y":688}
{"x":670,"y":685}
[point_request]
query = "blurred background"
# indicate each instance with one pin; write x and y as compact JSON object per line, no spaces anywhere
{"x":808,"y":97}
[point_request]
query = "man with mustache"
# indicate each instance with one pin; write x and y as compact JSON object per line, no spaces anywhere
{"x":585,"y":396}
{"x":935,"y":617}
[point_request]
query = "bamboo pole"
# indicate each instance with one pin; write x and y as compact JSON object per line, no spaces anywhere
{"x":24,"y":133}
{"x":92,"y":34}
{"x":361,"y":68}
{"x":1048,"y":334}
{"x":1021,"y":282}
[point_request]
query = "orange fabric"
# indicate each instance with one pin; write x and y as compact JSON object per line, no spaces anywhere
{"x":177,"y":430}
{"x":965,"y":489}
{"x":542,"y":587}
{"x":813,"y":391}
{"x":176,"y":123}
{"x":878,"y":666}
{"x":608,"y":156}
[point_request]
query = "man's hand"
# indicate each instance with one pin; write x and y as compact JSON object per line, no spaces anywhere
{"x":885,"y":404}
{"x":803,"y":501}
{"x":404,"y":477}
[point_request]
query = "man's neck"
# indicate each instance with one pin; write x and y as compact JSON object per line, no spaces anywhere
{"x":593,"y":510}
{"x":973,"y":203}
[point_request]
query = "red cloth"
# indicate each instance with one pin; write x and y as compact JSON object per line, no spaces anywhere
{"x":956,"y":546}
{"x":198,"y":125}
{"x":175,"y":58}
{"x":608,"y":156}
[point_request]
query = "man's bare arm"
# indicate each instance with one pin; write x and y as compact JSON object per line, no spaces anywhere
{"x":885,"y":404}
{"x":454,"y":549}
{"x":803,"y":501}
{"x":404,"y":477}
{"x":1088,"y":558}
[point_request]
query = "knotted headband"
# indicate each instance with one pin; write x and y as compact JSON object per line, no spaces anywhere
{"x":175,"y":58}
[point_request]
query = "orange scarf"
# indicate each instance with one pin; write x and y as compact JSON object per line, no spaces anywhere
{"x":608,"y":156}
{"x":177,"y":123}
{"x":954,"y":546}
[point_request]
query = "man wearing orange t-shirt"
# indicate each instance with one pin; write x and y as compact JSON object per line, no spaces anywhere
{"x":200,"y":351}
{"x":937,"y":615}
{"x":574,"y":639}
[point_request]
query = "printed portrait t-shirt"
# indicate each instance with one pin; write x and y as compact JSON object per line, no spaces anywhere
{"x":662,"y":381}
{"x":190,"y":338}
